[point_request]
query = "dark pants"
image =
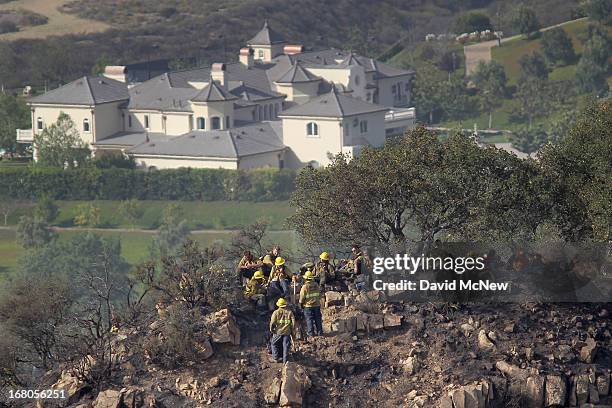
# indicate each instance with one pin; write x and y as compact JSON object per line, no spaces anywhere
{"x":314,"y":322}
{"x":281,"y":287}
{"x":280,"y":345}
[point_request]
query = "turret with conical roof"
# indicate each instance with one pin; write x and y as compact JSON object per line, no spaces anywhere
{"x":213,"y":107}
{"x":266,"y":44}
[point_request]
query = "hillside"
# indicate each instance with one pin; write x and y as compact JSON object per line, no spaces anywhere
{"x":208,"y":31}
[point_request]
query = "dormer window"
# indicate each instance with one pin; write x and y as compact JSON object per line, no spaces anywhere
{"x":312,"y":129}
{"x":86,"y":125}
{"x":39,"y":123}
{"x":201,"y":123}
{"x":260,"y":54}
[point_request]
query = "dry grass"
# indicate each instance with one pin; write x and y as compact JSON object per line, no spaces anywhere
{"x":59,"y":23}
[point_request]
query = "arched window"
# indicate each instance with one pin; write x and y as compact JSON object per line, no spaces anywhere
{"x":201,"y":123}
{"x":312,"y":129}
{"x":39,"y":123}
{"x":85,"y":125}
{"x":227,"y":122}
{"x":216,"y":122}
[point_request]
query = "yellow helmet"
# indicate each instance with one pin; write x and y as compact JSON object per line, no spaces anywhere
{"x":267,"y":260}
{"x":324,"y":256}
{"x":279,"y":261}
{"x":281,"y":302}
{"x":258,"y":274}
{"x":308,"y":275}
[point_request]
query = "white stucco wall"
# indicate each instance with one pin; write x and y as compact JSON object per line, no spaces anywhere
{"x":375,"y":134}
{"x":178,"y":123}
{"x":385,"y":94}
{"x":175,"y":162}
{"x":108,"y":119}
{"x":303,"y":148}
{"x":353,"y":78}
{"x":270,"y":159}
{"x":50,"y":113}
{"x":212,"y":109}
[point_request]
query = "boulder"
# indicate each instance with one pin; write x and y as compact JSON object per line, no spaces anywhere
{"x":133,"y":398}
{"x":512,"y":371}
{"x":205,"y":349}
{"x":587,"y":353}
{"x":333,"y":299}
{"x":593,"y":394}
{"x":535,"y":392}
{"x":71,"y":385}
{"x":556,"y":391}
{"x":294,"y":385}
{"x":392,"y":320}
{"x":108,"y":399}
{"x":410,"y":365}
{"x":469,"y":396}
{"x":484,"y":343}
{"x":273,"y":392}
{"x":222,"y":327}
{"x":582,"y":389}
{"x":368,"y":322}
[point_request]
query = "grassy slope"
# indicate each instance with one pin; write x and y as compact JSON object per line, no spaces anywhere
{"x":134,"y":245}
{"x":199,"y":215}
{"x":59,"y":23}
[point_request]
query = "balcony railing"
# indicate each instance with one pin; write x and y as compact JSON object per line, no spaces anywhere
{"x":25,"y":136}
{"x":400,"y":115}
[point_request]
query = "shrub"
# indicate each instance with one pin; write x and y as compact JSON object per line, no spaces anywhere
{"x":8,"y":26}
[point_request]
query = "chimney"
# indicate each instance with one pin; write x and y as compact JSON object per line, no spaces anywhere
{"x":116,"y":72}
{"x":246,"y":56}
{"x":293,"y":49}
{"x":217,"y":73}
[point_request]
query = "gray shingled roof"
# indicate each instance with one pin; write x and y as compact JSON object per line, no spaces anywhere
{"x":266,"y":36}
{"x":333,"y":104}
{"x":213,"y":92}
{"x":130,"y":139}
{"x":88,"y":90}
{"x":157,"y":94}
{"x":233,"y":143}
{"x":296,"y":74}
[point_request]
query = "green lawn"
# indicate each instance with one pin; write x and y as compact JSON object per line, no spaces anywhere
{"x":510,"y":52}
{"x":199,"y":214}
{"x":134,"y":245}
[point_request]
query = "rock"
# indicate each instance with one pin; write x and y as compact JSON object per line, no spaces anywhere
{"x":71,"y":385}
{"x":556,"y":391}
{"x":133,"y":398}
{"x":603,"y":384}
{"x":223,"y":327}
{"x":108,"y":399}
{"x":484,"y":343}
{"x":529,"y":354}
{"x":535,"y":392}
{"x":333,"y":299}
{"x":593,"y":394}
{"x":582,"y":389}
{"x":410,"y":365}
{"x":205,"y":349}
{"x":512,"y":371}
{"x":392,"y":320}
{"x":603,"y":313}
{"x":376,"y":322}
{"x":587,"y":353}
{"x":469,"y":396}
{"x":467,"y":328}
{"x":273,"y":392}
{"x":509,"y":328}
{"x":445,"y":402}
{"x":214,"y":382}
{"x":295,"y":384}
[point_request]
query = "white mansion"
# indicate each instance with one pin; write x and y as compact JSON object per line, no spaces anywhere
{"x":279,"y":106}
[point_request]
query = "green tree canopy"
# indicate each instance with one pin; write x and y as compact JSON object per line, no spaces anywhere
{"x":14,"y":114}
{"x":60,"y":145}
{"x":533,"y":66}
{"x":490,"y":79}
{"x":473,"y":21}
{"x":557,"y":46}
{"x":525,"y":21}
{"x":598,"y":10}
{"x":33,"y":232}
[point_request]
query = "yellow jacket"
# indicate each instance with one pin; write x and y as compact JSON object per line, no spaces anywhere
{"x":255,"y":287}
{"x":310,"y":295}
{"x":278,"y":273}
{"x":282,"y":322}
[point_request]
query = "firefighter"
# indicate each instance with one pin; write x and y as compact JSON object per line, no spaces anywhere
{"x":247,"y":266}
{"x":279,"y":277}
{"x":282,"y":326}
{"x":358,"y":266}
{"x":256,"y":290}
{"x":310,"y":300}
{"x":324,"y":271}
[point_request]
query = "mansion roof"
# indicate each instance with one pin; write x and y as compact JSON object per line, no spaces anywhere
{"x":87,"y":90}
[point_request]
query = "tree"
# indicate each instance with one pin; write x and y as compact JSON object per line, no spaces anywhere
{"x":557,"y":47}
{"x":598,"y":10}
{"x":60,"y":145}
{"x":131,"y":210}
{"x":248,"y":238}
{"x":8,"y":206}
{"x":593,"y":67}
{"x":490,"y":78}
{"x":33,"y":232}
{"x":428,"y":93}
{"x":172,"y":233}
{"x":14,"y":114}
{"x":116,"y":160}
{"x":87,"y":214}
{"x":525,"y":21}
{"x":434,"y":187}
{"x":529,"y":140}
{"x":533,"y":66}
{"x":580,"y":171}
{"x":34,"y":311}
{"x":46,"y":209}
{"x":101,"y":63}
{"x":473,"y":21}
{"x":532,"y":98}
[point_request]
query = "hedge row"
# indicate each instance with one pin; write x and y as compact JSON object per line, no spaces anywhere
{"x":121,"y":184}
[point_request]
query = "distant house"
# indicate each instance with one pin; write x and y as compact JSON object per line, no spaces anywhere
{"x":278,"y":106}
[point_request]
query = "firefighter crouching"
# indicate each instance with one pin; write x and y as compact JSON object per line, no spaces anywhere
{"x":256,"y":290}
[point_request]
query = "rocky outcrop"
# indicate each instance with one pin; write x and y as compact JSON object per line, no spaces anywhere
{"x":478,"y":395}
{"x":108,"y":399}
{"x":223,"y":327}
{"x":290,"y":389}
